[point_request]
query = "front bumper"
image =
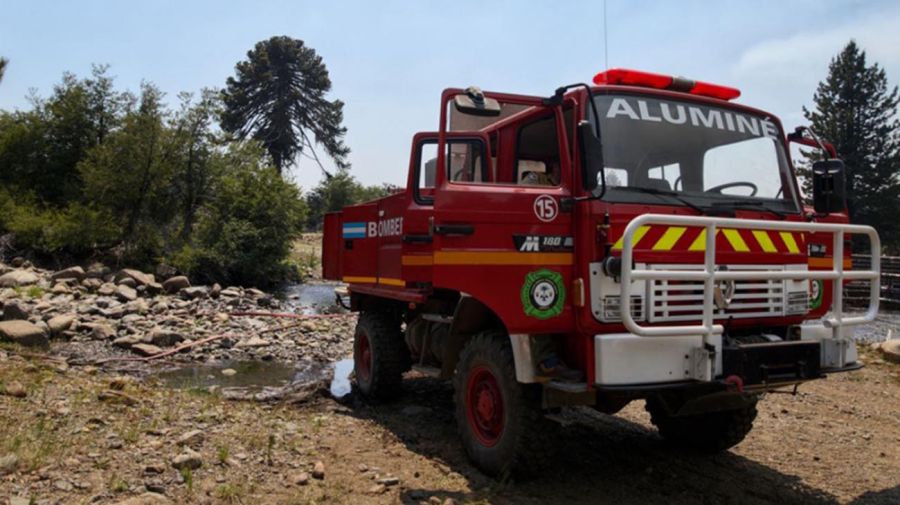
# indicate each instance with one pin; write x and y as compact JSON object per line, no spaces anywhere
{"x":626,"y":360}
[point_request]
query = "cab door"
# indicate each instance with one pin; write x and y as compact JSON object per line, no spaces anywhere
{"x":506,"y":239}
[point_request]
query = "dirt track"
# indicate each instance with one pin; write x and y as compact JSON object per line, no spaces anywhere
{"x":836,"y":442}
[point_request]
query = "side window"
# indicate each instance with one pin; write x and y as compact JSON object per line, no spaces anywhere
{"x":616,"y":177}
{"x":665,"y":177}
{"x":537,"y":154}
{"x":465,"y":163}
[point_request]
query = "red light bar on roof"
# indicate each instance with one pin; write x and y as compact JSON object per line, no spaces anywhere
{"x":650,"y":80}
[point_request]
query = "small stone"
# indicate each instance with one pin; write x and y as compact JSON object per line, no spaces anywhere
{"x":194,"y":292}
{"x":215,"y":290}
{"x":190,"y":438}
{"x":146,"y":499}
{"x":125,"y":293}
{"x":162,"y":337}
{"x":176,"y":284}
{"x":107,"y":289}
{"x":228,"y":372}
{"x":188,"y":459}
{"x":127,"y":281}
{"x":63,"y":485}
{"x":117,"y":397}
{"x":60,"y":323}
{"x":299,"y":479}
{"x":363,"y":468}
{"x":890,"y":349}
{"x":127,"y":341}
{"x":318,"y":470}
{"x":23,"y":333}
{"x":18,"y":278}
{"x":253,"y":342}
{"x":389,"y":481}
{"x":103,"y":332}
{"x":15,"y":389}
{"x":377,"y":489}
{"x":146,"y":349}
{"x":9,"y":463}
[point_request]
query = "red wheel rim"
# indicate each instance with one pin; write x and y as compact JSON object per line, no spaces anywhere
{"x":484,"y":406}
{"x":362,"y":357}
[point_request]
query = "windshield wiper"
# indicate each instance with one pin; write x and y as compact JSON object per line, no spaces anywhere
{"x":662,"y":192}
{"x":750,"y":205}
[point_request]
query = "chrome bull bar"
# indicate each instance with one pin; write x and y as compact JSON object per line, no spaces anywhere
{"x":710,"y":276}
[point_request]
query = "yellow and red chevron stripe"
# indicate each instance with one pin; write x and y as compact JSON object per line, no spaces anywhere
{"x":663,"y":238}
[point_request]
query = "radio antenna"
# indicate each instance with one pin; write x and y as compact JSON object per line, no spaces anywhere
{"x":605,"y":40}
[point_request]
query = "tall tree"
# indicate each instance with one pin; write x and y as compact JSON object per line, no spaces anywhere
{"x":856,"y":110}
{"x":3,"y":62}
{"x":277,"y":97}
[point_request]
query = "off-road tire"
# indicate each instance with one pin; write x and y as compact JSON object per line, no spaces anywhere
{"x":523,"y":444}
{"x":707,"y":433}
{"x":387,"y":356}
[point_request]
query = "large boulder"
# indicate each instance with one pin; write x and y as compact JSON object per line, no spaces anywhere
{"x":176,"y":284}
{"x":18,"y":278}
{"x":76,"y":273}
{"x":140,"y":278}
{"x":23,"y":333}
{"x":14,"y":310}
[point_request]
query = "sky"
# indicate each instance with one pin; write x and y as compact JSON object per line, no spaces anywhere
{"x":389,"y":60}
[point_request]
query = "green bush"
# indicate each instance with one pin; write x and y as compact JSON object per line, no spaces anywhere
{"x":76,"y":229}
{"x":245,"y":231}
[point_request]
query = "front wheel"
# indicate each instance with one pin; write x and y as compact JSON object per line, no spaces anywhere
{"x":380,"y":356}
{"x":709,"y":433}
{"x":499,"y":420}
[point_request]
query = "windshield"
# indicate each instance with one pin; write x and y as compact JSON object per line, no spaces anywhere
{"x":703,"y":155}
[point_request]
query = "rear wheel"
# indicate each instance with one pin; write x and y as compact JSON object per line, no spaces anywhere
{"x":709,"y":433}
{"x":499,"y":420}
{"x":380,"y":355}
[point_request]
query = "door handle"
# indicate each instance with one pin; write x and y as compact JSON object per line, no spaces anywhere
{"x":454,"y":229}
{"x":417,"y":239}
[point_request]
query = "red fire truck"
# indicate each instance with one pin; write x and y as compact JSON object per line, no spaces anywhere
{"x":641,"y":238}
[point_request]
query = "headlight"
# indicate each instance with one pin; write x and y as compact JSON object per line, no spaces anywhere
{"x":612,"y":311}
{"x":797,"y":302}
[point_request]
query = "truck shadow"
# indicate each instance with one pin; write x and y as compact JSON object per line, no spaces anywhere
{"x":599,"y":459}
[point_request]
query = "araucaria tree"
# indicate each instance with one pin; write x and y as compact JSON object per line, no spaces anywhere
{"x":277,"y":97}
{"x":857,"y":111}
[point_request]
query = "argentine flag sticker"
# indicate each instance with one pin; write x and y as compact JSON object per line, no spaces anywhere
{"x":355,"y":230}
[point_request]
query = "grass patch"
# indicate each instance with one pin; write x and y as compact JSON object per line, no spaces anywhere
{"x":34,"y":292}
{"x":231,"y":493}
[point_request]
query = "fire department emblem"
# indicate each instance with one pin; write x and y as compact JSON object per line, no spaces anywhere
{"x":815,"y":294}
{"x":543,"y":294}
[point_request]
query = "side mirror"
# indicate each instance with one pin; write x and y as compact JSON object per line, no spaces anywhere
{"x":475,"y":103}
{"x":592,"y":174}
{"x":829,"y":190}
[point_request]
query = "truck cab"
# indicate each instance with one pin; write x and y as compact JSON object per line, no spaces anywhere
{"x":644,"y":235}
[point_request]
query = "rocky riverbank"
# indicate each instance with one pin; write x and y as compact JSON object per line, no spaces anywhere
{"x":95,"y":315}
